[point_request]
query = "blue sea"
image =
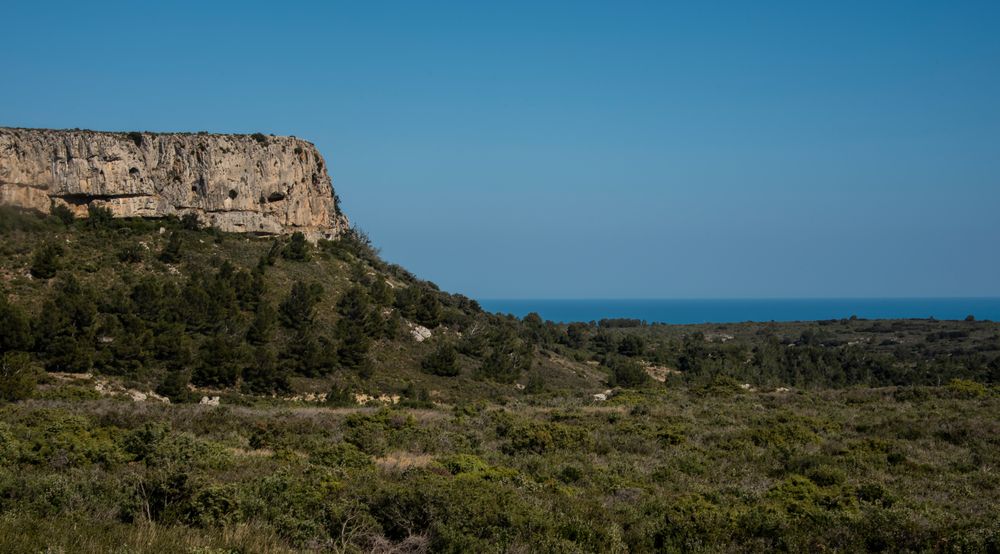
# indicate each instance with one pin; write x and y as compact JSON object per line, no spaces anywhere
{"x":738,"y":310}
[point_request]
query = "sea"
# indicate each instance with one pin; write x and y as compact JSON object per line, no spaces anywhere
{"x":740,"y":310}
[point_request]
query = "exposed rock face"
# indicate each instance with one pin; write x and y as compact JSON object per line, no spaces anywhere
{"x":238,"y":183}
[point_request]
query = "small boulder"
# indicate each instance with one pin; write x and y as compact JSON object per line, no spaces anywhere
{"x":420,"y":333}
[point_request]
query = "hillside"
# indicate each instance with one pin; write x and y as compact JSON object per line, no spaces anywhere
{"x":362,"y":409}
{"x":158,"y":301}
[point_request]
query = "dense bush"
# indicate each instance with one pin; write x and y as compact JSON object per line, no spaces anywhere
{"x":442,"y":361}
{"x":135,"y":137}
{"x":190,"y":221}
{"x":626,"y":373}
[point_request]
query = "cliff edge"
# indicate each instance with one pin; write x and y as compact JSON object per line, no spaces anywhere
{"x":238,"y":183}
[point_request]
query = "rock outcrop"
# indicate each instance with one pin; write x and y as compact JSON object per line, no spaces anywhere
{"x":239,"y":183}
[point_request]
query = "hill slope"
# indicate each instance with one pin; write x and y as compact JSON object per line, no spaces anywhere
{"x":161,"y":305}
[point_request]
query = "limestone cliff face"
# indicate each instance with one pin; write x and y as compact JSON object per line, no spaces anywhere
{"x":239,"y":183}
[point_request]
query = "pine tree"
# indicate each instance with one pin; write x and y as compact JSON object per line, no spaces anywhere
{"x":297,"y":248}
{"x":45,"y":261}
{"x":298,"y":309}
{"x":262,"y":375}
{"x":221,"y":359}
{"x":443,"y":361}
{"x":15,"y":329}
{"x":308,"y":355}
{"x":175,"y":386}
{"x":64,"y":331}
{"x":262,"y":327}
{"x":428,"y":312}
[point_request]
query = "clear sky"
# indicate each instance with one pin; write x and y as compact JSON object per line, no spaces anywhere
{"x":582,"y":149}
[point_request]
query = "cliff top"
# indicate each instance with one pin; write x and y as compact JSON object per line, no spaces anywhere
{"x":252,"y":183}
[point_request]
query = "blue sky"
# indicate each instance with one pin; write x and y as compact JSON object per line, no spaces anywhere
{"x":582,"y":149}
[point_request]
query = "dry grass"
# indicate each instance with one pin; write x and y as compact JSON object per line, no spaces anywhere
{"x":402,"y":461}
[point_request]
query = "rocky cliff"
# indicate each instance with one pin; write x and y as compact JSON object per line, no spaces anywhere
{"x":240,"y":183}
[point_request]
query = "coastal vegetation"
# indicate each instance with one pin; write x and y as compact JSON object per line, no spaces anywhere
{"x":166,"y":387}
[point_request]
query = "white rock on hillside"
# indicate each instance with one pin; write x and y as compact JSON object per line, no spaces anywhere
{"x":420,"y":333}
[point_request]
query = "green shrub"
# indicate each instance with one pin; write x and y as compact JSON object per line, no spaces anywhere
{"x":463,"y":463}
{"x":341,"y":454}
{"x":671,"y":434}
{"x":45,"y":261}
{"x":627,"y":373}
{"x":374,"y":433}
{"x":185,"y":450}
{"x":722,"y":385}
{"x":144,"y":441}
{"x":964,"y":388}
{"x":212,"y":506}
{"x":58,"y":439}
{"x":542,"y":437}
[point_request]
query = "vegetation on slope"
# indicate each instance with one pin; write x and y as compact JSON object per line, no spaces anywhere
{"x":843,"y":435}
